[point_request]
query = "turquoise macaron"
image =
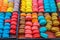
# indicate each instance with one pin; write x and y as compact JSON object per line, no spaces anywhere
{"x":40,"y":17}
{"x":5,"y":35}
{"x":44,"y":35}
{"x":42,"y":22}
{"x":43,"y":29}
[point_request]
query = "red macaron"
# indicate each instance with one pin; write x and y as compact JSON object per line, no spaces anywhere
{"x":35,"y":28}
{"x":28,"y":31}
{"x":28,"y":23}
{"x":13,"y":27}
{"x":36,"y":24}
{"x":28,"y":18}
{"x":13,"y":23}
{"x":35,"y":32}
{"x":14,"y":16}
{"x":28,"y":28}
{"x":36,"y":36}
{"x":13,"y":32}
{"x":28,"y":35}
{"x":7,"y":20}
{"x":13,"y":19}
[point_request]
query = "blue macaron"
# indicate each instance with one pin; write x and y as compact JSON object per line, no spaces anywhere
{"x":42,"y":22}
{"x":43,"y":29}
{"x":47,"y":10}
{"x":5,"y":35}
{"x":7,"y":17}
{"x":1,"y":21}
{"x":6,"y":31}
{"x":44,"y":35}
{"x":6,"y":27}
{"x":7,"y":24}
{"x":1,"y":13}
{"x":8,"y":14}
{"x":1,"y":26}
{"x":1,"y":31}
{"x":40,"y":17}
{"x":0,"y":35}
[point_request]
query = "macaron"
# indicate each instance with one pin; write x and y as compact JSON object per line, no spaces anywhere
{"x":22,"y":22}
{"x":48,"y":26}
{"x":34,"y":20}
{"x":36,"y":36}
{"x":15,"y":16}
{"x":28,"y":23}
{"x":28,"y":28}
{"x":43,"y":29}
{"x":41,"y":17}
{"x":35,"y":31}
{"x":7,"y":17}
{"x":1,"y":31}
{"x":13,"y":23}
{"x":23,"y":14}
{"x":42,"y":22}
{"x":28,"y":31}
{"x":54,"y":14}
{"x":7,"y":27}
{"x":7,"y":24}
{"x":44,"y":35}
{"x":5,"y":35}
{"x":55,"y":29}
{"x":13,"y":27}
{"x":54,"y":18}
{"x":56,"y":23}
{"x":36,"y":24}
{"x":13,"y":32}
{"x":8,"y":14}
{"x":1,"y":26}
{"x":21,"y":26}
{"x":40,"y":14}
{"x":34,"y":28}
{"x":6,"y":31}
{"x":15,"y":13}
{"x":28,"y":18}
{"x":1,"y":21}
{"x":7,"y":20}
{"x":28,"y":35}
{"x":21,"y":31}
{"x":57,"y":34}
{"x":13,"y":19}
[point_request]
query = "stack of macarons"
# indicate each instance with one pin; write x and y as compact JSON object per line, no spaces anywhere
{"x":3,"y":5}
{"x":49,"y":21}
{"x":16,"y":5}
{"x":42,"y":22}
{"x":21,"y":28}
{"x":28,"y":5}
{"x":40,"y":6}
{"x":28,"y":26}
{"x":35,"y":26}
{"x":10,"y":6}
{"x":23,"y":6}
{"x":13,"y":23}
{"x":58,"y":4}
{"x":1,"y":23}
{"x":48,"y":6}
{"x":35,"y":5}
{"x":56,"y":24}
{"x":6,"y":29}
{"x":52,"y":3}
